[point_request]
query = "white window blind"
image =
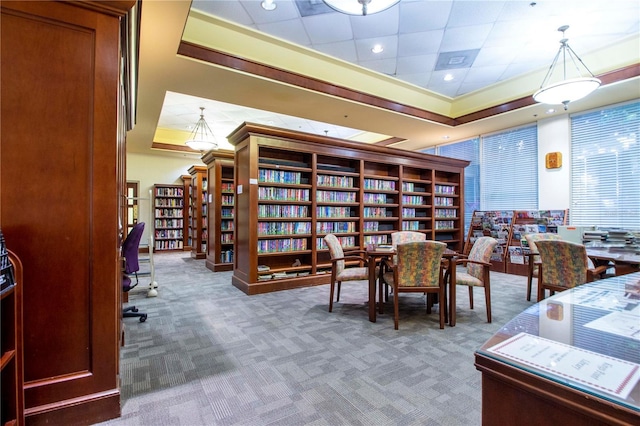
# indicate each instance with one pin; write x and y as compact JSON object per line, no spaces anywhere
{"x":509,"y":172}
{"x":605,"y":167}
{"x":467,"y":150}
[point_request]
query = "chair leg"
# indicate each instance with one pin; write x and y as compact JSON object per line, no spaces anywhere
{"x":339,"y":285}
{"x":487,"y":297}
{"x":471,"y":297}
{"x":331,"y":295}
{"x":443,"y":306}
{"x":396,"y":312}
{"x":429,"y":302}
{"x":540,"y":291}
{"x":529,"y":286}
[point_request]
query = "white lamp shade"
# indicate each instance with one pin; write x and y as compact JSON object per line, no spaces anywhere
{"x":566,"y":91}
{"x":355,"y":7}
{"x":201,"y":145}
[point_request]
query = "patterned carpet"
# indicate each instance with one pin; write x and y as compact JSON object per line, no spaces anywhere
{"x":210,"y":355}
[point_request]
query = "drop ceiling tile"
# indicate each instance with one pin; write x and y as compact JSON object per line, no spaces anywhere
{"x":384,"y":66}
{"x":284,"y":10}
{"x":364,"y":46}
{"x":376,"y":25}
{"x":345,"y":50}
{"x":230,"y":10}
{"x":328,"y":28}
{"x":417,"y":64}
{"x":419,"y":43}
{"x":470,"y":13}
{"x":465,"y":38}
{"x":419,"y":16}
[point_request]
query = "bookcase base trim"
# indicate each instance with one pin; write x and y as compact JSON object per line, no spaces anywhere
{"x":98,"y":407}
{"x":278,"y":285}
{"x":219,"y":267}
{"x":198,"y":255}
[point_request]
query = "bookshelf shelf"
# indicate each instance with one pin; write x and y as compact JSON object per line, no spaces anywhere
{"x":356,"y":191}
{"x":168,"y":227}
{"x":198,"y":212}
{"x":222,"y":207}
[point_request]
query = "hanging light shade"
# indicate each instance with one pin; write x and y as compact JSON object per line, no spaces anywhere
{"x":201,"y":138}
{"x":567,"y":89}
{"x":360,"y":7}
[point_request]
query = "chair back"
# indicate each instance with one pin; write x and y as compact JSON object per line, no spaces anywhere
{"x":533,"y":238}
{"x":403,"y":237}
{"x":419,"y":264}
{"x":564,"y":264}
{"x":481,"y":251}
{"x":130,"y":248}
{"x":335,"y":250}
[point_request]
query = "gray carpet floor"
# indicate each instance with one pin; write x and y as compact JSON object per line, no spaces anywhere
{"x":210,"y":355}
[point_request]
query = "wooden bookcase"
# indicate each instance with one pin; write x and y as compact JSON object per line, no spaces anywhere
{"x":221,"y":210}
{"x":186,"y":184}
{"x":11,"y":370}
{"x":293,"y":188}
{"x":168,"y":202}
{"x":198,"y":209}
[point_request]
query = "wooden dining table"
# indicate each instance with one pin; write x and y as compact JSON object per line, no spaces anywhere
{"x":376,"y":253}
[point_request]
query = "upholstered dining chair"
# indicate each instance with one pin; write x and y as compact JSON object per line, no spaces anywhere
{"x":418,"y":269}
{"x":478,"y":266}
{"x":399,"y":237}
{"x":563,"y":265}
{"x":339,"y":270}
{"x":534,"y":258}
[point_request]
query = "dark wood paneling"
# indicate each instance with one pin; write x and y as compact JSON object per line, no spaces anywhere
{"x":60,"y":188}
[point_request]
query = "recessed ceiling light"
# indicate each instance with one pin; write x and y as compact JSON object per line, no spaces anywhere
{"x":268,"y":4}
{"x":448,"y":77}
{"x":445,"y":137}
{"x":550,"y":111}
{"x":377,"y":48}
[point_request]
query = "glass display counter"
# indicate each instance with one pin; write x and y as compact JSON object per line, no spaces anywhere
{"x":573,"y":358}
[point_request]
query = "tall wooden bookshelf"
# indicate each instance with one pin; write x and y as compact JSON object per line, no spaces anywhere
{"x":198,"y":209}
{"x":186,"y":238}
{"x":169,"y":203}
{"x":293,"y":188}
{"x":11,"y":359}
{"x":221,"y":210}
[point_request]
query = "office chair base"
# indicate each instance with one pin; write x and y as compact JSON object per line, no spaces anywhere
{"x":132,"y":311}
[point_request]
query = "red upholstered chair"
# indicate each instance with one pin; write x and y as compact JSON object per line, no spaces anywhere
{"x":418,"y":269}
{"x":339,"y":270}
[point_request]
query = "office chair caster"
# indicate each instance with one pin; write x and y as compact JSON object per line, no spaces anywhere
{"x":143,"y":318}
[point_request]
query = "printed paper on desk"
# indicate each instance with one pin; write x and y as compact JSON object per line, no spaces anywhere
{"x":606,"y":374}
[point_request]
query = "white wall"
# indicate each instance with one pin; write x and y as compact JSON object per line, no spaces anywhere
{"x":149,"y":169}
{"x":554,"y":185}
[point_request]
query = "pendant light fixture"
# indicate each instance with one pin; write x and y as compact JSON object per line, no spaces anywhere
{"x":201,"y":138}
{"x":567,"y":89}
{"x":360,"y":7}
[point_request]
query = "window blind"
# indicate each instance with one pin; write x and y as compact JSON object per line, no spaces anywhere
{"x":605,"y":167}
{"x":467,"y":150}
{"x":509,"y":172}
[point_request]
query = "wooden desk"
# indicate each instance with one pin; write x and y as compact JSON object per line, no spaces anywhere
{"x":623,"y":262}
{"x":517,"y":375}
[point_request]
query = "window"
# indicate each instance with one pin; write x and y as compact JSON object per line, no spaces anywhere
{"x":509,"y":172}
{"x":467,"y":150}
{"x":605,"y":167}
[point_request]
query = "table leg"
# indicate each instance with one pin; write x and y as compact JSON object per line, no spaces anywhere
{"x":372,"y":289}
{"x":452,"y":292}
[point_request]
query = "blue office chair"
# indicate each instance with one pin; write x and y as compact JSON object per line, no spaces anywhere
{"x":131,"y":268}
